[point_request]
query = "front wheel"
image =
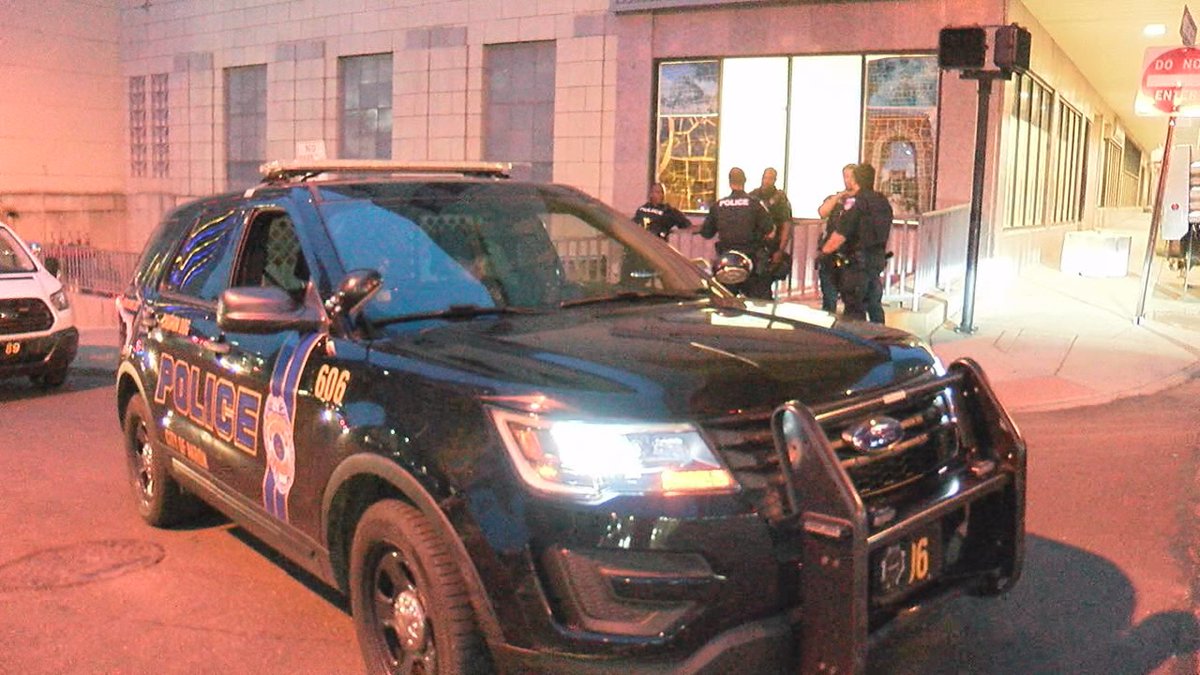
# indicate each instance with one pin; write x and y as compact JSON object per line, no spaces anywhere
{"x":160,"y":500}
{"x":410,"y":605}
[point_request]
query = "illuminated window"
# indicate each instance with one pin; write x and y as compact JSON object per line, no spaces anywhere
{"x":245,"y":124}
{"x":754,"y":120}
{"x":1030,"y":157}
{"x":685,"y":160}
{"x":804,"y":116}
{"x":137,"y":126}
{"x":160,"y":126}
{"x":366,"y":94}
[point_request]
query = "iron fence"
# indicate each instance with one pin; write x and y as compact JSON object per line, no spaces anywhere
{"x":86,"y":269}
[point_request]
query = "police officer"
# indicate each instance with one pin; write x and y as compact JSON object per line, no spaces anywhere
{"x":741,"y":223}
{"x":777,"y":204}
{"x":659,"y":217}
{"x":831,"y":210}
{"x":860,"y":241}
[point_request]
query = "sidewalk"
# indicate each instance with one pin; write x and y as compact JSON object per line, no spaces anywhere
{"x":1049,"y":340}
{"x":1046,"y":340}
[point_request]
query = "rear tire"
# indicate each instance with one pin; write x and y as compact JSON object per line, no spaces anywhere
{"x":160,"y":500}
{"x":411,"y":608}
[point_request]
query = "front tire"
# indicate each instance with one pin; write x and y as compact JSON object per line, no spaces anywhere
{"x":411,"y":608}
{"x":160,"y":500}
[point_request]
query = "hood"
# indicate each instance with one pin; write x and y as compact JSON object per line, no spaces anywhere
{"x":39,"y":284}
{"x":660,"y":361}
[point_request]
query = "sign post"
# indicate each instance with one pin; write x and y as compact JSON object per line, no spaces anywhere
{"x":1170,"y":87}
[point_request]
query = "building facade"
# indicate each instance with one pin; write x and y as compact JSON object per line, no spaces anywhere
{"x":605,"y":95}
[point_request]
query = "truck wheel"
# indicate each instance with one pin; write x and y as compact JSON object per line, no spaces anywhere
{"x":160,"y":500}
{"x":410,"y":606}
{"x":50,"y":379}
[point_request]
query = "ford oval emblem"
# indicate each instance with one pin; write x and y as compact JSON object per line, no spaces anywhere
{"x":873,"y":435}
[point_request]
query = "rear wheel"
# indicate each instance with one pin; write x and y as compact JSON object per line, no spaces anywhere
{"x":411,"y":608}
{"x":160,"y":500}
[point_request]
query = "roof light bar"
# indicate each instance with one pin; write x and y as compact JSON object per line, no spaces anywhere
{"x":300,"y":170}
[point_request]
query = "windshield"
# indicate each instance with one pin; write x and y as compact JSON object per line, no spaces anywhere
{"x":496,"y":245}
{"x":13,"y":258}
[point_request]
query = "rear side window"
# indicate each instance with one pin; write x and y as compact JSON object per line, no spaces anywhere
{"x":200,"y":268}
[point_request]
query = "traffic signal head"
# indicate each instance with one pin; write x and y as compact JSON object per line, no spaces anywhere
{"x":1012,"y":48}
{"x":962,"y":48}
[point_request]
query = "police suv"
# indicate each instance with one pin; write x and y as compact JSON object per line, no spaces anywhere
{"x":434,"y":388}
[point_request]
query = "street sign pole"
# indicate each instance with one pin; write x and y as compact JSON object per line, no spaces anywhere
{"x":967,"y":325}
{"x":1155,"y":222}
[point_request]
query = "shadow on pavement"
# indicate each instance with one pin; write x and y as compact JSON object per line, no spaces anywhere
{"x":293,"y":570}
{"x":20,"y":388}
{"x":1070,"y":613}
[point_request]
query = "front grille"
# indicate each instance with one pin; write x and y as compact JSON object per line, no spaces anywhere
{"x":24,"y":315}
{"x":929,"y":442}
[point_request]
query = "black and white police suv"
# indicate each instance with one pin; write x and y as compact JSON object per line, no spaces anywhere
{"x":436,"y":389}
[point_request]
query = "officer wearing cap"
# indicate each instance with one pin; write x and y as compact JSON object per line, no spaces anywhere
{"x":741,"y":223}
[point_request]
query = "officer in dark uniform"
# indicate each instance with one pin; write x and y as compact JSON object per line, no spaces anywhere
{"x":777,"y":204}
{"x":860,"y":242}
{"x":659,"y":217}
{"x":741,"y":223}
{"x":831,"y":210}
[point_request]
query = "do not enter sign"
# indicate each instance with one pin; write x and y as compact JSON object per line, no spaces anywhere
{"x":1170,"y":82}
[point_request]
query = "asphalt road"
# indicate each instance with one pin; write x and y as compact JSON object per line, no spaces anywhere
{"x":85,"y":587}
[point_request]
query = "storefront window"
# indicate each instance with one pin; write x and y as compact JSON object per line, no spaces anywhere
{"x":1030,"y":157}
{"x":898,"y":139}
{"x":1070,"y":164}
{"x":754,"y":119}
{"x":804,"y":116}
{"x":826,"y":127}
{"x":686,"y":158}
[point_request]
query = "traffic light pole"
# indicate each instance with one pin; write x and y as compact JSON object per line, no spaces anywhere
{"x":967,"y":325}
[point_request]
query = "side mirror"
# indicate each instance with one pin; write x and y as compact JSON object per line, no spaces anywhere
{"x":357,"y":287}
{"x":52,"y":265}
{"x":253,"y":309}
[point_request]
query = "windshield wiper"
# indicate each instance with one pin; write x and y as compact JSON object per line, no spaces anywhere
{"x":627,"y":296}
{"x":453,"y":312}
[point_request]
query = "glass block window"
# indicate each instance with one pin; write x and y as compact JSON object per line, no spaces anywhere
{"x":137,"y":126}
{"x":160,"y":126}
{"x":1070,"y":164}
{"x":518,"y":117}
{"x":900,"y":129}
{"x":1029,"y":161}
{"x":366,"y":96}
{"x":245,"y":124}
{"x":687,"y":131}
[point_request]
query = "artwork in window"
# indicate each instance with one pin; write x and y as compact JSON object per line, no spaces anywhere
{"x":900,"y":131}
{"x":686,"y":157}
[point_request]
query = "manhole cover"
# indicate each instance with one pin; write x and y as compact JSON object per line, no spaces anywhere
{"x":78,"y":564}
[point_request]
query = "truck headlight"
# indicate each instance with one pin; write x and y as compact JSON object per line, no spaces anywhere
{"x":594,"y":461}
{"x":59,"y":300}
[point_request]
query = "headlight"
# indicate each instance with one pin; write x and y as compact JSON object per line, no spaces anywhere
{"x":60,"y":302}
{"x":594,"y":461}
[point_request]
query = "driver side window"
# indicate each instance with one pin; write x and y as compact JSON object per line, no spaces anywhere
{"x":271,"y":255}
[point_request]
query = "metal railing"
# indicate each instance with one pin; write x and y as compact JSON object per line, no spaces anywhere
{"x":86,"y":269}
{"x":927,"y":253}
